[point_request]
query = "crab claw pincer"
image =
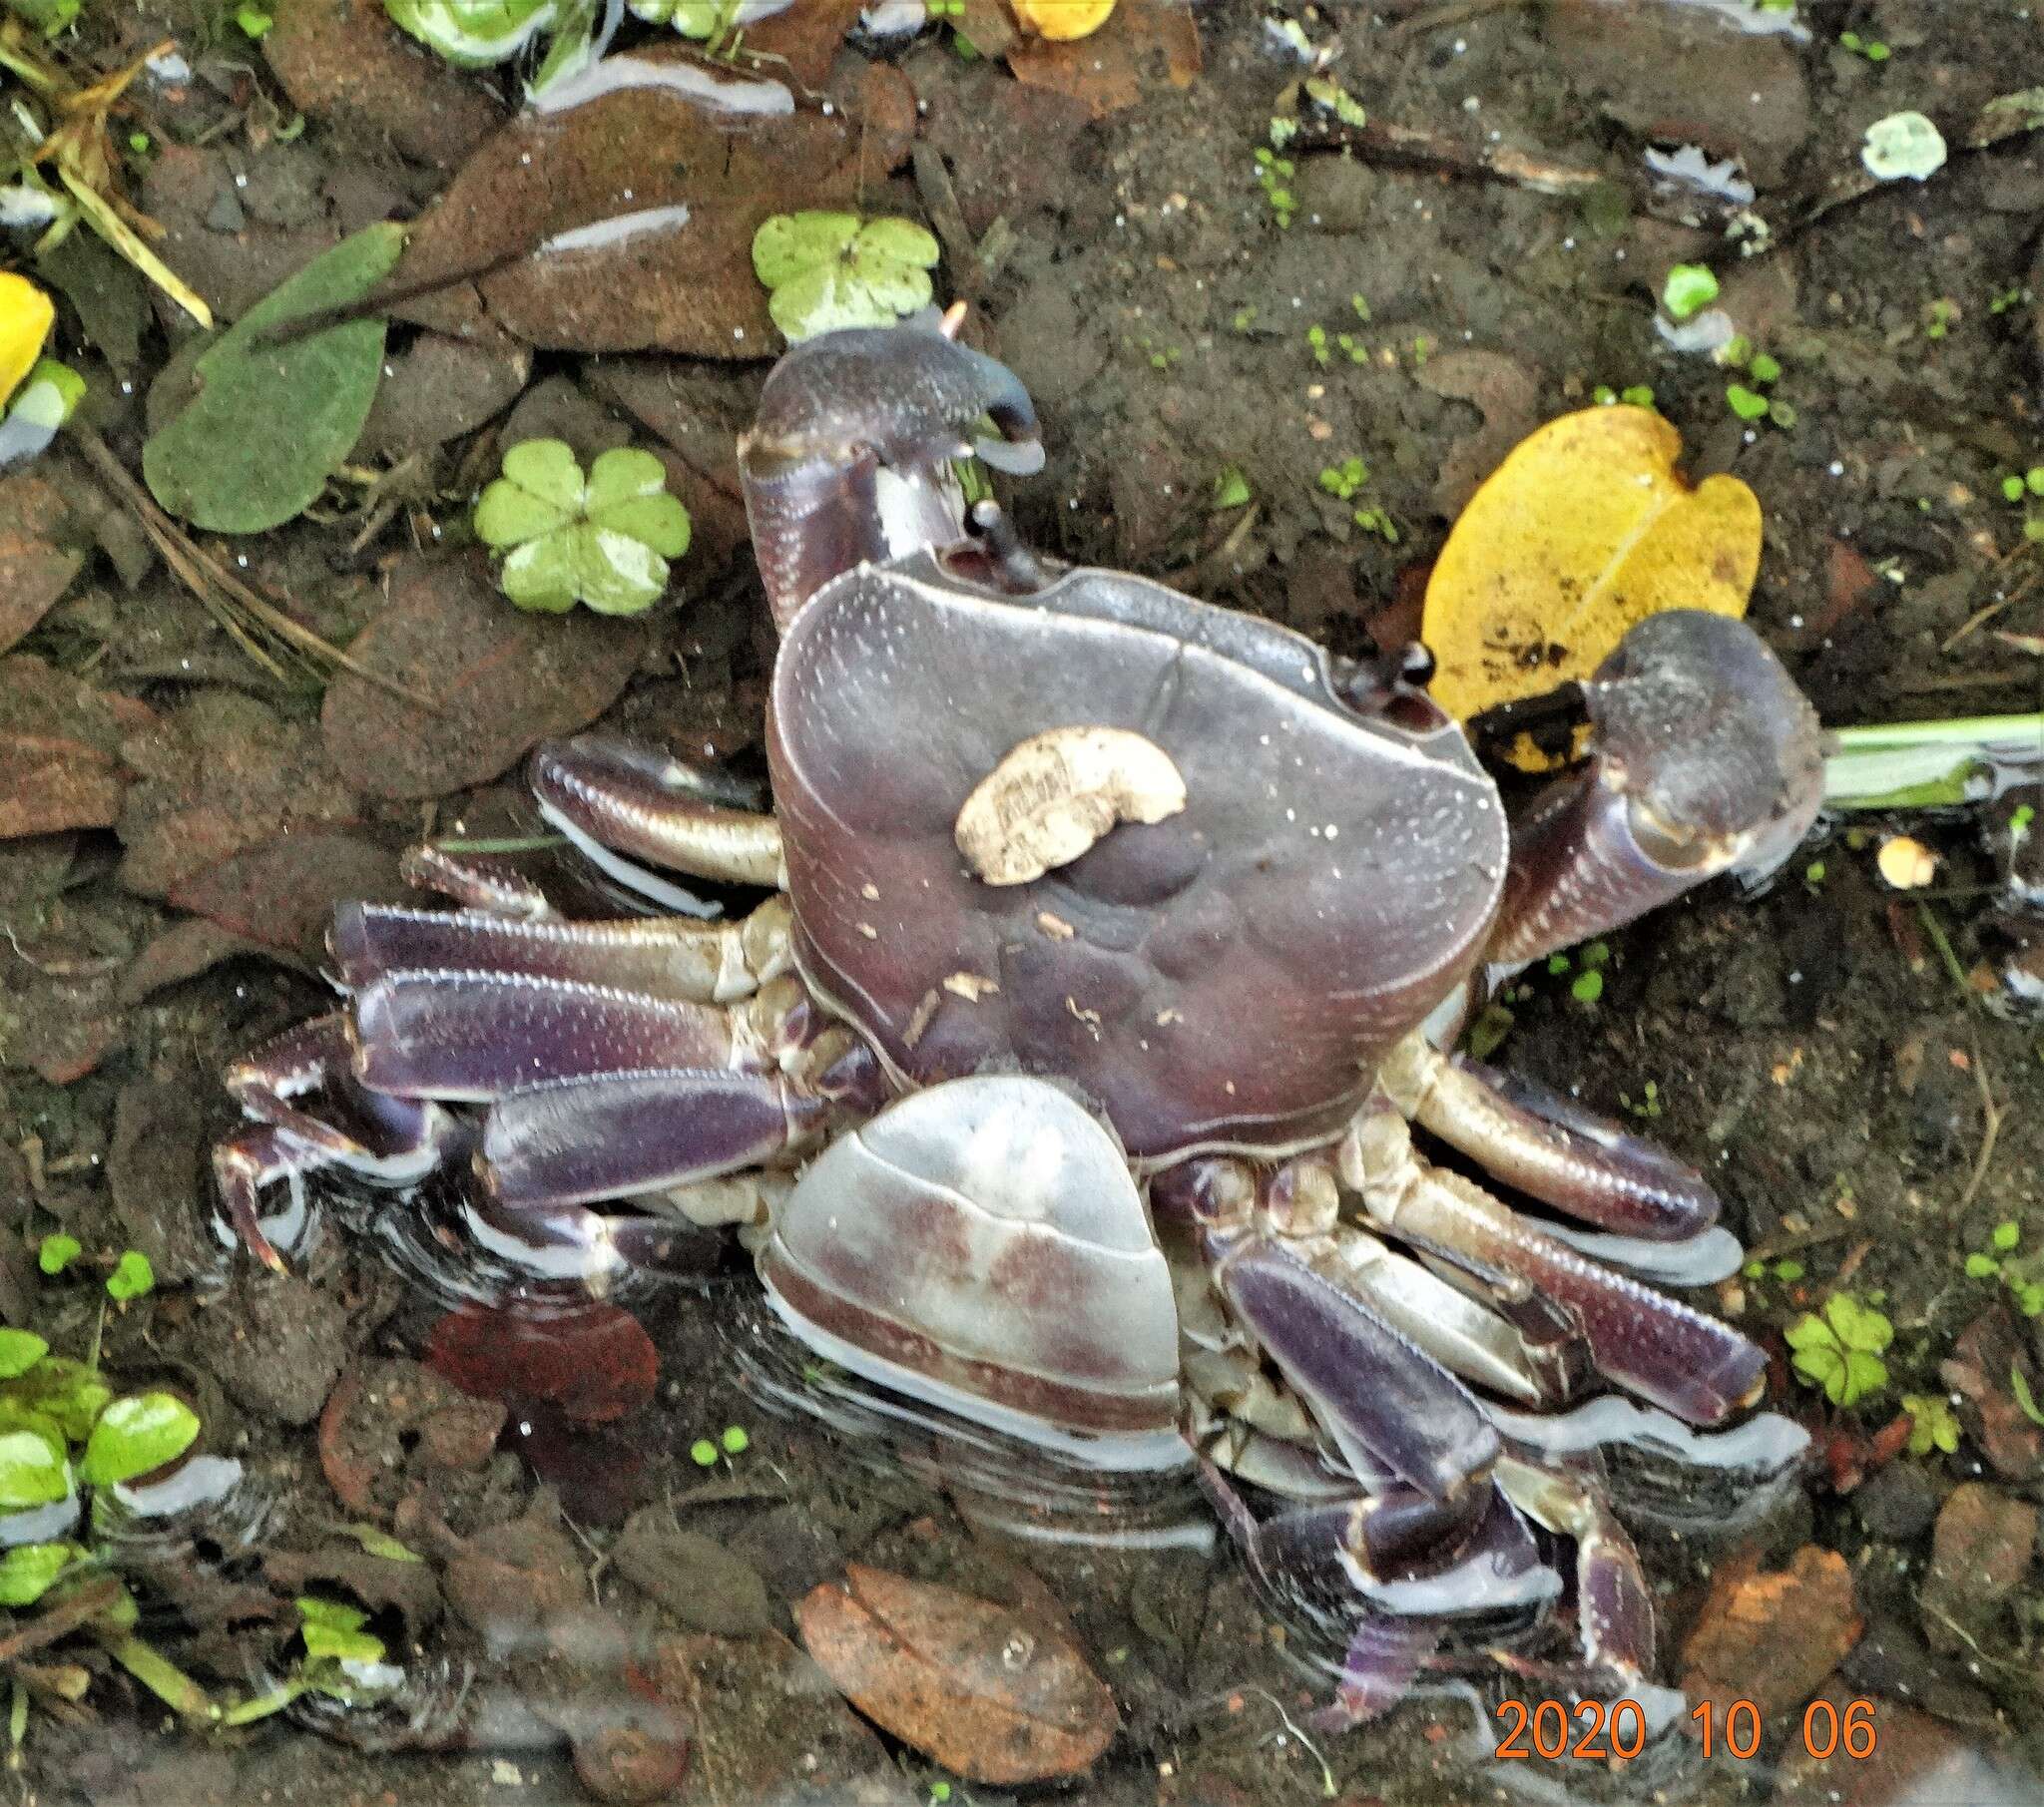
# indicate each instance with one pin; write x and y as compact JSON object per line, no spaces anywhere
{"x":847,"y":461}
{"x":1707,"y":760}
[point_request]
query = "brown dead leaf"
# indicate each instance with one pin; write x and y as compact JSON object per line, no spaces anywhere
{"x":1145,"y":42}
{"x":686,"y":288}
{"x":1771,"y":1638}
{"x":219,"y":773}
{"x":768,"y":1727}
{"x":1499,"y":390}
{"x":343,"y":63}
{"x":1987,"y":1352}
{"x":60,"y":764}
{"x":802,"y":43}
{"x":282,"y":895}
{"x":505,"y":681}
{"x":961,"y":1679}
{"x":35,"y":567}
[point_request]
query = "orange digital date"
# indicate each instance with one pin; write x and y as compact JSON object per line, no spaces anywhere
{"x":1618,"y":1730}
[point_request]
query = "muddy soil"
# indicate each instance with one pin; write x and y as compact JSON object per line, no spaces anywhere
{"x":1838,"y":1057}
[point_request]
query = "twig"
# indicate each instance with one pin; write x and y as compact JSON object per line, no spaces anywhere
{"x":1450,"y":12}
{"x":1414,"y":148}
{"x":1942,"y":942}
{"x":1990,"y":1128}
{"x":1194,"y":577}
{"x":1788,"y":1246}
{"x":60,"y":1621}
{"x":216,"y":586}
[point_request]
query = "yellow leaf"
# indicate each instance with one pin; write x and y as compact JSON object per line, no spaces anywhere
{"x":1584,"y":530}
{"x":25,"y":317}
{"x":1061,"y":18}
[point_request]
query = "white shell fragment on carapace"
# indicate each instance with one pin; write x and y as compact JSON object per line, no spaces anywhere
{"x":1053,"y":795}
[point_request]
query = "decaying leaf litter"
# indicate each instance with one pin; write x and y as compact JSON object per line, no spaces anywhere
{"x":1248,"y":368}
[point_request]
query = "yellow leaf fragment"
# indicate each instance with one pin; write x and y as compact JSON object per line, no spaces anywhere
{"x":1583,"y":531}
{"x":25,"y":317}
{"x":1061,"y":19}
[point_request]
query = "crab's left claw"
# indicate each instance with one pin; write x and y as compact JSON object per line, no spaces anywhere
{"x":847,"y":461}
{"x":1707,"y":760}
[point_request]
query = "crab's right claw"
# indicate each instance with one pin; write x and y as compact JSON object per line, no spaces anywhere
{"x":1707,"y":760}
{"x":847,"y":461}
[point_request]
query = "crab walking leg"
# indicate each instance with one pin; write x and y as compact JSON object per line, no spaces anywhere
{"x":476,"y":882}
{"x":1706,"y":761}
{"x":1302,"y":1199}
{"x":1546,"y":1146}
{"x":1383,"y":1402}
{"x":623,"y":805}
{"x":1674,"y":1357}
{"x":612,"y":1135}
{"x":1334,"y":1563}
{"x":671,"y":958}
{"x":1614,"y":1608}
{"x":475,"y":1037}
{"x":392,"y":1140}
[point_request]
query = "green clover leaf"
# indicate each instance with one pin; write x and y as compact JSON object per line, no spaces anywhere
{"x":473,"y":33}
{"x":334,"y":1628}
{"x":604,"y":541}
{"x":20,"y":1350}
{"x":137,"y":1434}
{"x":1933,"y":1424}
{"x":28,"y":1569}
{"x":691,"y":18}
{"x":1840,"y":1350}
{"x":33,"y":1471}
{"x":132,"y":1276}
{"x":825,"y":271}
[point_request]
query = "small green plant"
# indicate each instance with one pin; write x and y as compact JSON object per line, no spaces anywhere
{"x":1748,"y":404}
{"x":1813,"y":875}
{"x":826,"y":270}
{"x":2019,"y":490}
{"x":1939,"y":316}
{"x":1839,"y":1348}
{"x":1634,"y":395}
{"x":2002,"y":1260}
{"x":736,"y":1440}
{"x":1648,"y":1103}
{"x":1162,"y":357}
{"x":1746,"y":399}
{"x":1230,"y":489}
{"x":1688,"y":289}
{"x":132,"y":1276}
{"x":1872,"y":48}
{"x":341,"y":1658}
{"x":1786,"y":1270}
{"x":57,"y":1251}
{"x":1933,"y":1424}
{"x":604,"y":541}
{"x":2016,"y":296}
{"x":1342,"y":480}
{"x":1273,"y":175}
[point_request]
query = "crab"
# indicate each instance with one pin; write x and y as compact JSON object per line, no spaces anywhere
{"x":1066,"y":1080}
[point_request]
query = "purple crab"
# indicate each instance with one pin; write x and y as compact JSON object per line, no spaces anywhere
{"x":1067,"y":1079}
